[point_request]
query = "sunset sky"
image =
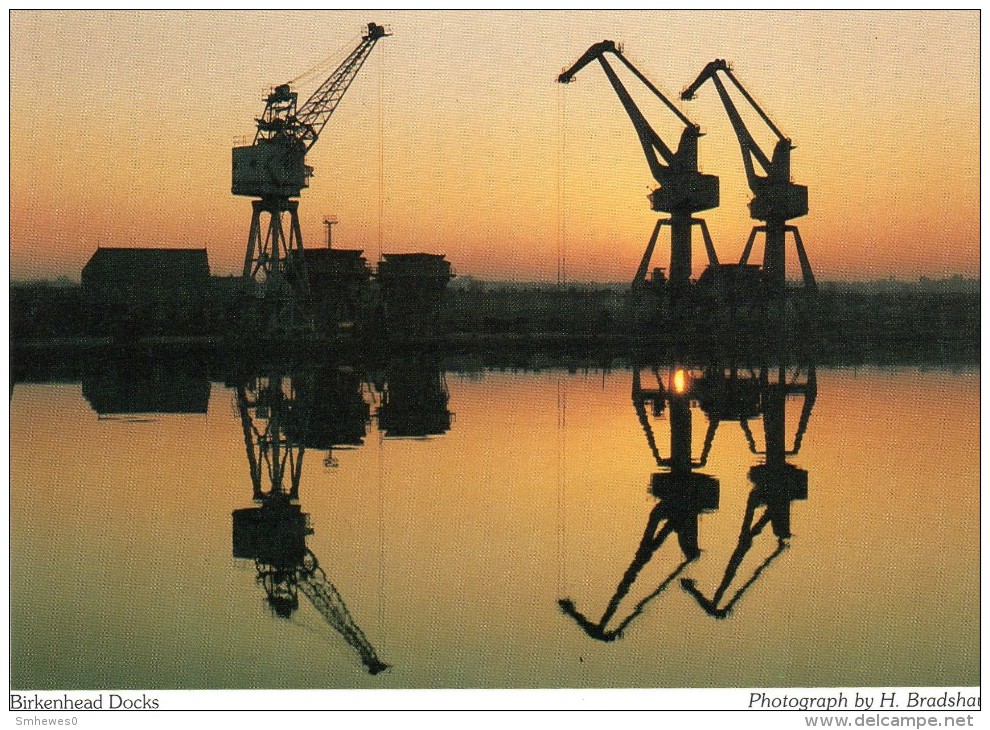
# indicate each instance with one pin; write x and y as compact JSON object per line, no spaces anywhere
{"x":121,"y":126}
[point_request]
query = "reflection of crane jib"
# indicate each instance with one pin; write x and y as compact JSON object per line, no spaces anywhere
{"x":683,"y":493}
{"x":776,"y":483}
{"x":273,"y":170}
{"x":683,"y":189}
{"x":274,"y":536}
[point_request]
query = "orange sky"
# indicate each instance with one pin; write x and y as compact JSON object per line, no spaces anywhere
{"x":121,"y":126}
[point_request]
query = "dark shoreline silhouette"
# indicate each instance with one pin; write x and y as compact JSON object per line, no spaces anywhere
{"x":501,"y":324}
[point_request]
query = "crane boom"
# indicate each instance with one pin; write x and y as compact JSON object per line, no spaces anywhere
{"x":316,"y":112}
{"x":274,"y":166}
{"x":683,"y":190}
{"x":776,"y":198}
{"x":669,"y":162}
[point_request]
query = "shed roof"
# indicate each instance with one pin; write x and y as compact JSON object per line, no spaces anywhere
{"x":146,"y":264}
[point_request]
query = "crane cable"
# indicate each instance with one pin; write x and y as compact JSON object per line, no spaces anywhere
{"x":381,"y":532}
{"x":336,"y":57}
{"x":381,"y":149}
{"x":561,"y":189}
{"x":381,"y":434}
{"x":561,"y":479}
{"x":561,"y":385}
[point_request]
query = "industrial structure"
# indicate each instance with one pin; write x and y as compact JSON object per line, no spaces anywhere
{"x":135,"y":387}
{"x":275,"y":411}
{"x":134,"y":292}
{"x":684,"y":494}
{"x":723,"y":393}
{"x":273,"y":171}
{"x":683,"y":190}
{"x":273,"y":534}
{"x":283,"y":415}
{"x":414,"y":400}
{"x":776,"y":482}
{"x":411,"y":290}
{"x":339,"y":282}
{"x":776,"y":199}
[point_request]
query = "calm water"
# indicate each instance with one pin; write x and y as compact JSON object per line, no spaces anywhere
{"x":446,"y":556}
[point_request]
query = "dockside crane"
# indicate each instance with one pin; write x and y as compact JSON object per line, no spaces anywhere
{"x":273,"y":170}
{"x":683,"y":190}
{"x":776,"y":199}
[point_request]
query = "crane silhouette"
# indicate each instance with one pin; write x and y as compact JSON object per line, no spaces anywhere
{"x":775,"y":198}
{"x":274,"y":410}
{"x":683,"y":190}
{"x":684,"y":494}
{"x":273,"y":170}
{"x":777,"y":483}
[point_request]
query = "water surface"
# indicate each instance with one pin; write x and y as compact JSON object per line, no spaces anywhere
{"x":449,"y":554}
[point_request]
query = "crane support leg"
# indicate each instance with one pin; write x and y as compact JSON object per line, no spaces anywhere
{"x":640,"y":279}
{"x":680,"y":252}
{"x":275,"y":266}
{"x":709,"y":245}
{"x":806,"y":272}
{"x":749,"y":244}
{"x":774,"y":270}
{"x":254,"y":236}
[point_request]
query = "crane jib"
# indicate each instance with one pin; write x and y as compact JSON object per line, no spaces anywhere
{"x":274,"y":165}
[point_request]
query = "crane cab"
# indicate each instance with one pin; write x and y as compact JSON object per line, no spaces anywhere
{"x":690,"y":192}
{"x":269,"y":170}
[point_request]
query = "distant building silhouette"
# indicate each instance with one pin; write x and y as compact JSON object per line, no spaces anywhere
{"x":412,"y":290}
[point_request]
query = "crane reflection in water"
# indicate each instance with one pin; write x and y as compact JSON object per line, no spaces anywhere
{"x":282,"y":416}
{"x":723,"y":393}
{"x":275,"y":411}
{"x":684,"y":494}
{"x":776,"y":483}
